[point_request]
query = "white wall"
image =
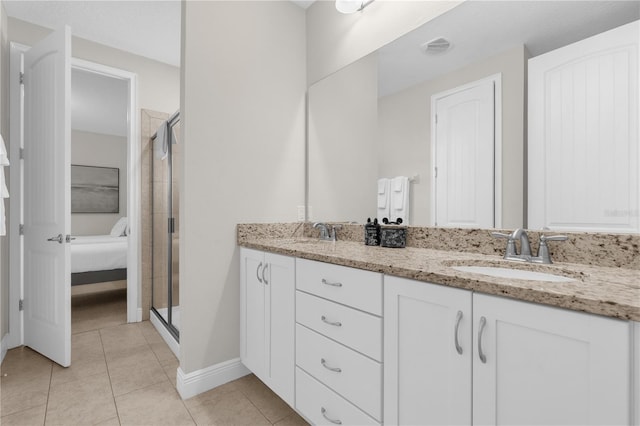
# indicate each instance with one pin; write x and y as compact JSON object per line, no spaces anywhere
{"x":343,"y":160}
{"x":335,"y":40}
{"x":95,"y":149}
{"x":243,"y":109}
{"x":158,"y":83}
{"x":405,"y":132}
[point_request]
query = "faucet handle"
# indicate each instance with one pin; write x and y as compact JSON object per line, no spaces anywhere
{"x":554,"y":238}
{"x":511,"y":245}
{"x":543,"y":250}
{"x":500,"y":235}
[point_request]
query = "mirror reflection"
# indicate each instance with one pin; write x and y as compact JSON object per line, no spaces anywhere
{"x":375,"y":120}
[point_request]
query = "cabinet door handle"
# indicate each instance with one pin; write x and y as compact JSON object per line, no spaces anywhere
{"x":324,"y":414}
{"x":266,"y":265}
{"x":331,"y":284}
{"x":483,"y":322}
{"x":334,"y":369}
{"x":258,"y":273}
{"x":334,"y":323}
{"x":455,"y":332}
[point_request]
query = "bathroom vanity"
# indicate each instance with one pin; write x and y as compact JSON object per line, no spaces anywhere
{"x":353,"y":334}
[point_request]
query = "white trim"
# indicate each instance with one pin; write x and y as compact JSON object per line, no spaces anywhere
{"x":16,"y":337}
{"x":635,"y":373}
{"x":192,"y":384}
{"x":16,"y":265}
{"x":497,"y":144}
{"x":134,"y":256}
{"x":4,"y":345}
{"x":164,"y":333}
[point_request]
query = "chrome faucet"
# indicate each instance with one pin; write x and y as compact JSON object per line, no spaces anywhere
{"x":325,"y":233}
{"x":511,"y":252}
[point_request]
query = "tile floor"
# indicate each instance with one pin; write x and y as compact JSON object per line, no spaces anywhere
{"x":123,"y":374}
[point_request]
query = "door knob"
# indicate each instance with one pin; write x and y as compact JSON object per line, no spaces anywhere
{"x":59,"y":239}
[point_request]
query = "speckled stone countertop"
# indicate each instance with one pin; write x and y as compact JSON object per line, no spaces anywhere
{"x":602,"y":290}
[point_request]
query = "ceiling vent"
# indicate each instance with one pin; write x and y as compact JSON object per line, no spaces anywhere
{"x":436,"y":46}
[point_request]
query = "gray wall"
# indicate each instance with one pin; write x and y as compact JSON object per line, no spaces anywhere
{"x":243,"y":109}
{"x":404,"y":120}
{"x":95,"y":149}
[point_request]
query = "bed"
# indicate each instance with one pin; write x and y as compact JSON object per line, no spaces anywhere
{"x":100,"y":258}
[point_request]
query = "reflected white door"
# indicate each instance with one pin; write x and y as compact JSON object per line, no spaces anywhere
{"x":47,"y":188}
{"x":464,"y":156}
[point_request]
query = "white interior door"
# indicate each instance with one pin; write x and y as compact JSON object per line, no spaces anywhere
{"x":47,"y":188}
{"x":464,"y":156}
{"x":583,"y":150}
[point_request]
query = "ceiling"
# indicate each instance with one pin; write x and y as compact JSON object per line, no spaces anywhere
{"x":480,"y":29}
{"x":147,"y":28}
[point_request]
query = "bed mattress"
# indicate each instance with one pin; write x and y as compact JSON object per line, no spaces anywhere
{"x":98,"y":253}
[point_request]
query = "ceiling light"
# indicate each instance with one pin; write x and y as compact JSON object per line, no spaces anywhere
{"x":351,"y":6}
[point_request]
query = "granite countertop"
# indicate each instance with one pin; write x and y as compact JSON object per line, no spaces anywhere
{"x":608,"y":291}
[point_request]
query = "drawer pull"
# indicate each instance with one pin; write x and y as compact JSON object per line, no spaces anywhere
{"x":331,"y":284}
{"x":455,"y":332}
{"x":483,"y":322}
{"x":324,"y":414}
{"x":258,"y":273}
{"x":334,"y":369}
{"x":334,"y":323}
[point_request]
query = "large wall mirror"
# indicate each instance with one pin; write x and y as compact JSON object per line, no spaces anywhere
{"x":376,"y":117}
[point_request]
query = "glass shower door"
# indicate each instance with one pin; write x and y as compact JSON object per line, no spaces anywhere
{"x":165,"y":258}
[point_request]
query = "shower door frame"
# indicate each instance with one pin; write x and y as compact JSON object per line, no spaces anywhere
{"x":168,"y":323}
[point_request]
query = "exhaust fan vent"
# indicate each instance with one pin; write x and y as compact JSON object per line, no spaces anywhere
{"x":437,"y":45}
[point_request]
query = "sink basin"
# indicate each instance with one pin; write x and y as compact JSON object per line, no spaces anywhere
{"x":517,"y":274}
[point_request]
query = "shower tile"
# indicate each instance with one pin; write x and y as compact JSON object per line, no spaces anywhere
{"x":159,"y":404}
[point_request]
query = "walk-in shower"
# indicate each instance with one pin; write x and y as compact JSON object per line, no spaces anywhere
{"x":165,"y":286}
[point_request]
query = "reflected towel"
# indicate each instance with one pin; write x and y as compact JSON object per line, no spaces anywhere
{"x":400,"y":199}
{"x":161,"y":142}
{"x":383,"y":198}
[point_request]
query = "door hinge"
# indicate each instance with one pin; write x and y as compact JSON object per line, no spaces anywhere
{"x":21,"y":305}
{"x":21,"y":78}
{"x":21,"y":229}
{"x":22,"y":153}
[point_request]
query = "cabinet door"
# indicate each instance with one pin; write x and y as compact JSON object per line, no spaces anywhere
{"x":252,"y":312}
{"x":280,"y":321}
{"x":547,"y":366}
{"x":426,"y":380}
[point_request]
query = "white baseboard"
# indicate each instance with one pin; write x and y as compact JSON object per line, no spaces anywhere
{"x":164,"y":333}
{"x":192,"y":384}
{"x":139,"y":315}
{"x":4,"y":345}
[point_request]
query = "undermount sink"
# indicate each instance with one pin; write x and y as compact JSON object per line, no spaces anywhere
{"x":517,"y":274}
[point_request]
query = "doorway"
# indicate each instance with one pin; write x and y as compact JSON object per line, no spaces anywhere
{"x":466,"y":145}
{"x":132,"y":173}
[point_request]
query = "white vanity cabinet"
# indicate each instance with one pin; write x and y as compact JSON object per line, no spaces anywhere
{"x":544,"y":365}
{"x":267,"y":319}
{"x":521,"y":363}
{"x":427,"y":353}
{"x":338,"y":344}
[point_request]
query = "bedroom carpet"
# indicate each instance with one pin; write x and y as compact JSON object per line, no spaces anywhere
{"x":123,"y":374}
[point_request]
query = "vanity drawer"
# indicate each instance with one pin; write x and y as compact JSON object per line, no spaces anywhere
{"x":359,"y":378}
{"x":356,"y":329}
{"x":313,"y":398}
{"x":349,"y":286}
